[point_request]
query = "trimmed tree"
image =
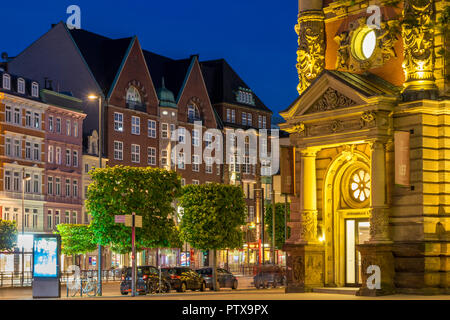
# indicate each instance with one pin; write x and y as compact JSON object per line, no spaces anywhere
{"x":8,"y":235}
{"x":76,"y":239}
{"x":212,"y":218}
{"x":279,"y":223}
{"x":120,"y":190}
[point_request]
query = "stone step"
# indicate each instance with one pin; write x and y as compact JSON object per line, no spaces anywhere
{"x":341,"y":290}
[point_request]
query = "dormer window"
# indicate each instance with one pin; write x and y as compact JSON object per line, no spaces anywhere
{"x":21,"y":86}
{"x":245,"y":96}
{"x":193,"y":113}
{"x":35,"y":89}
{"x":7,"y":82}
{"x":133,"y":97}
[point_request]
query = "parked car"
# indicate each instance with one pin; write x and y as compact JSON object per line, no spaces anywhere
{"x":147,"y":280}
{"x":269,"y":275}
{"x":225,"y":278}
{"x":184,"y":278}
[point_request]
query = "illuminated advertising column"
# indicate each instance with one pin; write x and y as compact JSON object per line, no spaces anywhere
{"x":46,"y":266}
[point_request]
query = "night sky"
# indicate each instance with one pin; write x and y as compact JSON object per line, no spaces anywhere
{"x":256,"y":37}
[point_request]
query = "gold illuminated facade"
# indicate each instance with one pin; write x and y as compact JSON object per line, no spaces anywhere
{"x":364,"y":80}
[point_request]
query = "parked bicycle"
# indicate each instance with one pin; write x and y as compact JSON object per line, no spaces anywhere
{"x":88,"y":287}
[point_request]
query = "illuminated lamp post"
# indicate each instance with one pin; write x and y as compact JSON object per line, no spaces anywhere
{"x":100,"y":141}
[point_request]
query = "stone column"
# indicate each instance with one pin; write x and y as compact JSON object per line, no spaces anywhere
{"x":377,"y":252}
{"x":305,"y":255}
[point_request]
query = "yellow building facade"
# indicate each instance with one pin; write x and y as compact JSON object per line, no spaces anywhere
{"x":354,"y":219}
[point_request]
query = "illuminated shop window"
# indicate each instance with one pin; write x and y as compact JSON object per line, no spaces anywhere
{"x":360,"y":185}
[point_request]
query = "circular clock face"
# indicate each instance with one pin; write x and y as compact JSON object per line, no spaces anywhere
{"x":364,"y":43}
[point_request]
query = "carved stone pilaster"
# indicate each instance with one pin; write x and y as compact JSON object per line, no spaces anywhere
{"x":379,"y":224}
{"x":309,"y":226}
{"x":311,"y":47}
{"x":418,"y":43}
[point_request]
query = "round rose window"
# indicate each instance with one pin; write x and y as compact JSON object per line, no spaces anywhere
{"x":360,"y":185}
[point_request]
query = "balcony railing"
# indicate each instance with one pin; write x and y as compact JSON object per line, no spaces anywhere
{"x":18,"y":195}
{"x":136,"y":106}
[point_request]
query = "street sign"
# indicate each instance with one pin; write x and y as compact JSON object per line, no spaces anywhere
{"x":137,"y":221}
{"x":119,"y":219}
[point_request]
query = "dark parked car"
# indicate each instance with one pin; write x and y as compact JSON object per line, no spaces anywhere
{"x":269,"y":275}
{"x":225,"y":279}
{"x":184,"y":278}
{"x":147,"y":280}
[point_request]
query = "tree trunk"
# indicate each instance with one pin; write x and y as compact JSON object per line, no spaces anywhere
{"x":214,"y":270}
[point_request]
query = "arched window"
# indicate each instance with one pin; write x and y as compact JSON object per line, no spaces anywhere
{"x":7,"y":81}
{"x":193,"y":113}
{"x":133,"y":96}
{"x":20,"y":85}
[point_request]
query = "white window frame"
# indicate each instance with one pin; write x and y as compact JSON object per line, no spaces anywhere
{"x":118,"y":121}
{"x":68,"y":127}
{"x":118,"y":150}
{"x":135,"y":153}
{"x":151,"y":156}
{"x":135,"y":125}
{"x":196,"y":163}
{"x":151,"y":127}
{"x":21,"y":86}
{"x":35,"y":89}
{"x":6,"y":81}
{"x":164,"y":130}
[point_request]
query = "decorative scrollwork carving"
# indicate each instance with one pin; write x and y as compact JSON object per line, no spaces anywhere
{"x":311,"y":49}
{"x":331,"y":100}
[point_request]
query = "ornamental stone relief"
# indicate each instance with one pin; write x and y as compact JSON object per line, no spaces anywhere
{"x":331,"y":100}
{"x":311,"y":49}
{"x":418,"y":40}
{"x":386,"y":38}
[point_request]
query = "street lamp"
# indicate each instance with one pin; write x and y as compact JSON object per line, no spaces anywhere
{"x":99,"y":258}
{"x":24,"y":178}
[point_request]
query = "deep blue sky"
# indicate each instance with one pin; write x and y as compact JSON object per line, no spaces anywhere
{"x":256,"y":37}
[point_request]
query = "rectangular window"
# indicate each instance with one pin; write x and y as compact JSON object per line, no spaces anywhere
{"x":118,"y":121}
{"x":35,"y":90}
{"x":228,"y":115}
{"x":249,"y":119}
{"x":49,"y":219}
{"x":163,"y":157}
{"x":151,"y":129}
{"x":21,"y":86}
{"x":8,"y":180}
{"x":86,"y":168}
{"x":36,"y":184}
{"x":58,"y":155}
{"x":6,"y":82}
{"x":135,"y":153}
{"x":195,"y":182}
{"x":28,"y":150}
{"x":164,"y":130}
{"x":75,"y":129}
{"x":50,"y":185}
{"x":195,"y":138}
{"x":68,"y":127}
{"x":181,"y":135}
{"x":28,"y":183}
{"x":50,"y":154}
{"x":208,"y":165}
{"x":8,"y":147}
{"x":58,"y":186}
{"x":35,"y":218}
{"x":196,"y":163}
{"x":8,"y":114}
{"x":264,"y":122}
{"x":244,"y":119}
{"x":37,"y":120}
{"x":151,"y":156}
{"x":172,"y":129}
{"x":74,"y":217}
{"x":17,"y":117}
{"x":67,"y":217}
{"x":67,"y":157}
{"x":16,"y":181}
{"x":28,"y":120}
{"x":17,"y":151}
{"x":233,"y":116}
{"x":259,"y":121}
{"x":27,"y":218}
{"x":208,"y":139}
{"x":251,"y":213}
{"x":58,"y":125}
{"x":56,"y":217}
{"x":67,"y":187}
{"x":75,"y":188}
{"x":50,"y":123}
{"x":36,"y":152}
{"x":75,"y":159}
{"x":135,"y":125}
{"x":181,"y":160}
{"x":118,"y":150}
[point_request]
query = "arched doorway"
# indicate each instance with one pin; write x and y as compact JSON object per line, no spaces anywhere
{"x":346,"y":216}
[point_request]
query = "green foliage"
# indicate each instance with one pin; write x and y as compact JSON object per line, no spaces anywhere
{"x":149,"y":192}
{"x":279,"y":223}
{"x":213,"y":216}
{"x":8,"y":235}
{"x":76,"y":238}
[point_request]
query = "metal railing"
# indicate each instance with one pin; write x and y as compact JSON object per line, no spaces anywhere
{"x":14,"y":279}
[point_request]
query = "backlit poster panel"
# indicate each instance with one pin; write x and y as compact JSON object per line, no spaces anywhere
{"x":402,"y":162}
{"x":45,"y":264}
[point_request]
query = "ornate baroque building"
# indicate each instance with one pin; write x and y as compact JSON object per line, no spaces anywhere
{"x":371,"y":137}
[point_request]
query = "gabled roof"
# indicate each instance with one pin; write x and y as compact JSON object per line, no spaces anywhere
{"x":223,"y":82}
{"x":103,"y":55}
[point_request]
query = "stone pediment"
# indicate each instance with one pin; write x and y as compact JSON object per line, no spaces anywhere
{"x":335,"y":90}
{"x":330,"y":100}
